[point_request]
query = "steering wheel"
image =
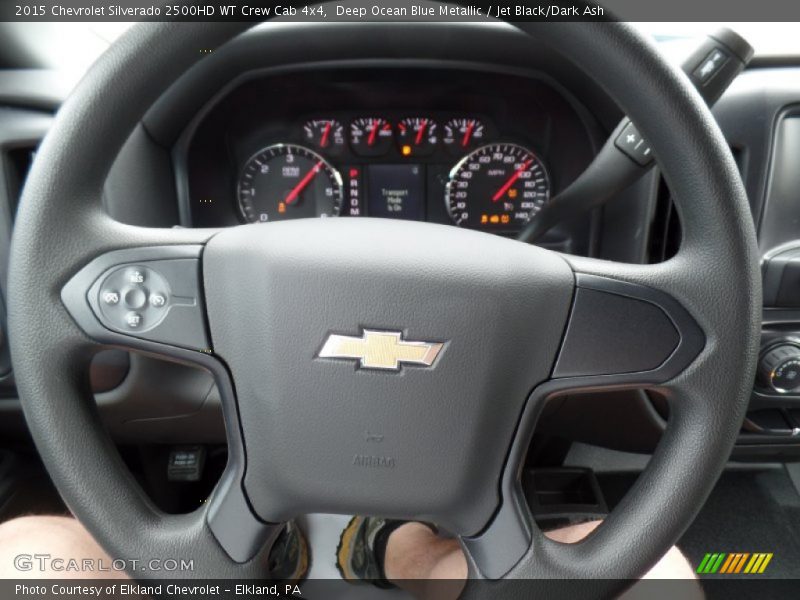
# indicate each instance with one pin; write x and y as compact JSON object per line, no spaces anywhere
{"x":445,"y":342}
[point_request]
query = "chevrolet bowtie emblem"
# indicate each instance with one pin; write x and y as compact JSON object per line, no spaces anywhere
{"x":380,"y":350}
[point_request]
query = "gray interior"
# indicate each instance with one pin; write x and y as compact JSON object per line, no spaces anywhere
{"x":443,"y":287}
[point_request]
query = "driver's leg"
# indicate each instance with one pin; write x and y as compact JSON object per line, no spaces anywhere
{"x":413,"y":557}
{"x":50,"y":547}
{"x":41,"y":547}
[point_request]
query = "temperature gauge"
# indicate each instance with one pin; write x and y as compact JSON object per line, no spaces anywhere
{"x":371,"y":136}
{"x":461,"y":135}
{"x":325,"y":134}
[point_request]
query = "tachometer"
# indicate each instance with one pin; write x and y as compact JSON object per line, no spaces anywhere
{"x":286,"y":181}
{"x":498,"y":187}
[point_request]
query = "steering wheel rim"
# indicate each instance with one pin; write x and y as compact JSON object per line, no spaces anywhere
{"x":61,"y":228}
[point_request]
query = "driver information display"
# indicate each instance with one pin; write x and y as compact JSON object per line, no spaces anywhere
{"x":396,"y":191}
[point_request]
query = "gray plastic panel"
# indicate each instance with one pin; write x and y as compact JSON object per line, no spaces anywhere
{"x":180,"y":322}
{"x":609,"y":333}
{"x":748,"y":114}
{"x":783,"y":193}
{"x":622,"y":330}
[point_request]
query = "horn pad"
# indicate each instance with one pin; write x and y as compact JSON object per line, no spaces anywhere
{"x":381,"y":366}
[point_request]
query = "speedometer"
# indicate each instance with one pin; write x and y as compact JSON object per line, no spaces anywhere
{"x":285,"y":181}
{"x":498,"y":187}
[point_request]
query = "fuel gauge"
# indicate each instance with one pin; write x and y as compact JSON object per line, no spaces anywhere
{"x":325,"y":134}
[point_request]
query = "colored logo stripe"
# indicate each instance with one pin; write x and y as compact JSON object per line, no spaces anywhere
{"x":758,"y":563}
{"x":732,"y":559}
{"x":711,"y":563}
{"x":734,"y":563}
{"x":725,"y":563}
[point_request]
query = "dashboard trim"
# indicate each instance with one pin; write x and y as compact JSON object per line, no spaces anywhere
{"x":181,"y":148}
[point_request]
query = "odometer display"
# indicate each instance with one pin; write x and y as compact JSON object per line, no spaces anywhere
{"x":286,"y":181}
{"x":498,"y":187}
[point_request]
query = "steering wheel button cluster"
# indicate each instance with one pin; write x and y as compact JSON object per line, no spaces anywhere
{"x":153,"y":294}
{"x":134,"y":307}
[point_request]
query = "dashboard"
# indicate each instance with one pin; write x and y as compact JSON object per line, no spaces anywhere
{"x":454,"y":114}
{"x":461,"y":147}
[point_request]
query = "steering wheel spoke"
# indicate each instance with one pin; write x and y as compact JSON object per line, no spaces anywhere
{"x":624,"y":331}
{"x":150,"y":298}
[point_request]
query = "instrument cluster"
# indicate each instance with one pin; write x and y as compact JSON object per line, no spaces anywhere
{"x":387,"y":167}
{"x":461,"y":146}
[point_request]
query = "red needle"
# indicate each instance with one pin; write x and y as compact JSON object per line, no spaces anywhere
{"x":511,"y":180}
{"x":421,"y":132}
{"x":373,"y":133}
{"x":325,"y":134}
{"x":468,"y":134}
{"x":295,"y":193}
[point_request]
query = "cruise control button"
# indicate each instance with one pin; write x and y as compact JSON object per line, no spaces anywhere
{"x":136,"y":276}
{"x":135,"y":298}
{"x":157,"y":300}
{"x":110,"y":297}
{"x":133,"y":320}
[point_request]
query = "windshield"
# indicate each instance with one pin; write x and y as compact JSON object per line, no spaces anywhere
{"x":768,"y":39}
{"x":72,"y":47}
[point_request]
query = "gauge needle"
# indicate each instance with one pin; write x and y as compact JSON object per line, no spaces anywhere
{"x":295,"y":193}
{"x":468,"y":134}
{"x":421,"y":132}
{"x":511,"y":181}
{"x":373,"y":133}
{"x":324,"y":141}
